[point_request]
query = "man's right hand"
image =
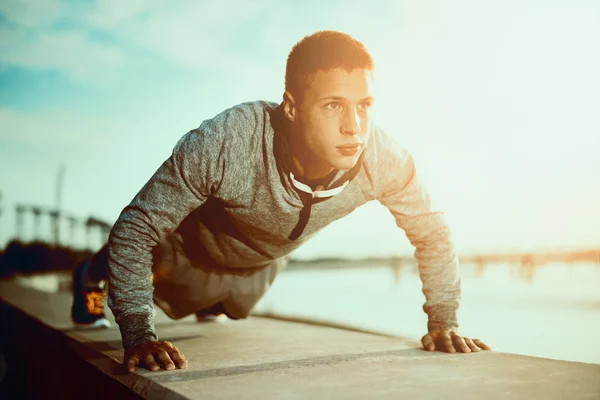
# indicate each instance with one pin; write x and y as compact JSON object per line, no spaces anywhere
{"x":153,"y":354}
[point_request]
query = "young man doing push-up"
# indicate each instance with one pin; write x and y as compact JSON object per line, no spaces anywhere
{"x":213,"y":227}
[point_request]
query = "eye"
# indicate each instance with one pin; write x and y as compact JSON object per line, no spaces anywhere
{"x":364,"y":106}
{"x":333,"y":106}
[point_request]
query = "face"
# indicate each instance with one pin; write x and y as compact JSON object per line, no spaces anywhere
{"x":330,"y":124}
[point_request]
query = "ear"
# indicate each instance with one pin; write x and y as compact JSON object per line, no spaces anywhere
{"x":289,"y":106}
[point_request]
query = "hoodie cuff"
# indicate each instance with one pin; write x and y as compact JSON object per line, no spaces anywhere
{"x":442,"y":317}
{"x":136,"y":329}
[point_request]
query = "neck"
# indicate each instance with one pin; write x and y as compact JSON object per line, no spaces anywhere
{"x":309,"y":172}
{"x":305,"y":165}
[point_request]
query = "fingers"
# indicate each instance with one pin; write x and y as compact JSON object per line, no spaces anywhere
{"x":447,"y":341}
{"x":471,"y":345}
{"x":132,"y":363}
{"x":460,"y":343}
{"x":179,"y":358}
{"x":165,"y":359}
{"x":151,"y":362}
{"x":451,"y":342}
{"x":441,"y":342}
{"x":153,"y":355}
{"x":481,"y":344}
{"x":428,"y":343}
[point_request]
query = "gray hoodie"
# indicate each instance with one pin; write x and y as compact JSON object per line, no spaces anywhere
{"x":227,"y":190}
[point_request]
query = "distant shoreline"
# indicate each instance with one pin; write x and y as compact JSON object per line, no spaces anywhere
{"x":19,"y":257}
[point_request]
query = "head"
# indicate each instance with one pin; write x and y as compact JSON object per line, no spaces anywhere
{"x":327,"y":100}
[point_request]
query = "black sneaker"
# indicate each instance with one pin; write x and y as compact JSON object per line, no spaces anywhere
{"x":87,"y":311}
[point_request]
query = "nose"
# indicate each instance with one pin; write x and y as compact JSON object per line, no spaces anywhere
{"x":351,"y":123}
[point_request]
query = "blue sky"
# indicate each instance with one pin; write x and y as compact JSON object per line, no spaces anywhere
{"x":498,"y":102}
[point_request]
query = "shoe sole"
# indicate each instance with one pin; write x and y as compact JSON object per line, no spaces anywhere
{"x":98,"y":324}
{"x":211,"y":318}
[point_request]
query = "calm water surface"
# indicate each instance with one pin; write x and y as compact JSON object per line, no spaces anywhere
{"x":555,"y":315}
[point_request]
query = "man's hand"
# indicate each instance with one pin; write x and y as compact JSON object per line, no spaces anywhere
{"x":450,"y":341}
{"x":154,"y":353}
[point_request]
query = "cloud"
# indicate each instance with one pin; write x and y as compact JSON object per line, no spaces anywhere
{"x":32,"y":14}
{"x":70,"y":52}
{"x":115,"y":14}
{"x":225,"y":37}
{"x":33,"y":38}
{"x":190,"y":34}
{"x":54,"y":129}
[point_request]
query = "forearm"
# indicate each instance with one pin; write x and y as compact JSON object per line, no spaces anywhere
{"x":130,"y":283}
{"x":439,"y":272}
{"x":438,"y":268}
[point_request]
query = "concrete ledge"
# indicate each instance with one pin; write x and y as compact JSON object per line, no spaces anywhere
{"x":260,"y":358}
{"x":41,"y":362}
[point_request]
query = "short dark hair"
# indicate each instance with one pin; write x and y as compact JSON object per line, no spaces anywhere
{"x":323,"y":50}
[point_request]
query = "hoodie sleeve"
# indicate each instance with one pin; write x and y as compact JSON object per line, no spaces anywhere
{"x":181,"y":184}
{"x":401,"y":191}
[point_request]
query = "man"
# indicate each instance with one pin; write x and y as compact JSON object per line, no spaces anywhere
{"x":213,"y":227}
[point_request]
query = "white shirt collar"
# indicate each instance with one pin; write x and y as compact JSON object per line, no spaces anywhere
{"x":317,"y":193}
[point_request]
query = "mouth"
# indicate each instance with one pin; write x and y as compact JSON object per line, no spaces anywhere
{"x":349,"y":149}
{"x":350,"y":145}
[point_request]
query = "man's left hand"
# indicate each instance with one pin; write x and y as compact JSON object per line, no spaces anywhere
{"x":450,"y":341}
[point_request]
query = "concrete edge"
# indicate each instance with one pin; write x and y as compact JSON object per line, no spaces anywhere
{"x":30,"y":345}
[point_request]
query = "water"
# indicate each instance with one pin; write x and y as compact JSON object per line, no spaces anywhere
{"x":556,"y":315}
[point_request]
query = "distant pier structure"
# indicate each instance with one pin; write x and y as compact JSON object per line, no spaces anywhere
{"x":528,"y":262}
{"x":96,"y":230}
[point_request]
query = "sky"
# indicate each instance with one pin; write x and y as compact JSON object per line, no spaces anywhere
{"x":497,"y":101}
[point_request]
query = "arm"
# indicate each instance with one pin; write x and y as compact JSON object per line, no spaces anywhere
{"x":403,"y":194}
{"x":181,"y":184}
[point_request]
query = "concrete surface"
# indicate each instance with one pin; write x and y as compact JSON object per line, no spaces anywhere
{"x":262,"y":358}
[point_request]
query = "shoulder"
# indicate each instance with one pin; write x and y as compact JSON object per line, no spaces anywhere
{"x":244,"y":117}
{"x":229,"y":130}
{"x":385,"y":151}
{"x":226,"y":146}
{"x":389,"y":163}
